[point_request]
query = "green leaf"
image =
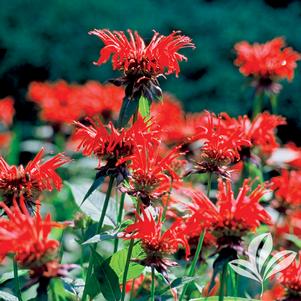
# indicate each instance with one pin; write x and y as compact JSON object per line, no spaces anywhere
{"x":59,"y":291}
{"x":128,"y":109}
{"x":7,"y":297}
{"x":99,"y":178}
{"x":14,"y":147}
{"x":118,"y":261}
{"x":10,"y":275}
{"x":144,"y":106}
{"x":107,"y":235}
{"x":106,"y":278}
{"x":94,"y":203}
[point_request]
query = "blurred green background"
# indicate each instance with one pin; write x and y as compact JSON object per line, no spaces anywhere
{"x":48,"y":40}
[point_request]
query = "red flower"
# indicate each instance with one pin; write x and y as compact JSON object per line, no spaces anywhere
{"x":112,"y":145}
{"x":270,"y":60}
{"x":152,"y":176}
{"x":7,"y":110}
{"x":287,"y":188}
{"x":260,"y":132}
{"x":142,"y":64}
{"x":31,"y":180}
{"x":26,"y":237}
{"x":290,"y":278}
{"x":231,"y":218}
{"x":100,"y":99}
{"x":59,"y":101}
{"x":155,"y":244}
{"x":219,"y":147}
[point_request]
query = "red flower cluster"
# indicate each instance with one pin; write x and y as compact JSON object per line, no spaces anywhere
{"x":151,"y":175}
{"x":112,"y":145}
{"x":7,"y":110}
{"x":31,"y":180}
{"x":231,"y":218}
{"x":290,"y":278}
{"x":63,"y":103}
{"x":155,"y":244}
{"x":268,"y":61}
{"x":287,"y":188}
{"x":219,"y":147}
{"x":27,"y":238}
{"x":142,"y":64}
{"x":260,"y":132}
{"x":160,"y":56}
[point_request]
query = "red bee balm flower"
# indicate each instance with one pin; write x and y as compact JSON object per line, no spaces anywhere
{"x":26,"y":237}
{"x":219,"y":147}
{"x":152,"y":176}
{"x":142,"y":64}
{"x":112,"y":145}
{"x":288,"y":190}
{"x":31,"y":180}
{"x":290,"y":278}
{"x":267,"y":62}
{"x":155,"y":244}
{"x":7,"y":110}
{"x":231,"y":218}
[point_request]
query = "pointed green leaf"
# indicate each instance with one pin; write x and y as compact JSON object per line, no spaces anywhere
{"x":106,"y":278}
{"x":128,"y":109}
{"x":99,"y":179}
{"x":144,"y":106}
{"x":118,"y":261}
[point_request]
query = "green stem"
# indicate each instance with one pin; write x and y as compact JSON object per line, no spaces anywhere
{"x":274,"y":103}
{"x":209,"y":184}
{"x":17,"y":282}
{"x":126,"y":268}
{"x":258,"y":103}
{"x":99,"y":226}
{"x":119,"y":218}
{"x":223,"y":280}
{"x":153,"y":285}
{"x":193,"y":264}
{"x":234,"y":283}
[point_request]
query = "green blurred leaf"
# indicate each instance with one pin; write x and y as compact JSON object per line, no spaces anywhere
{"x":225,"y":299}
{"x":118,"y":261}
{"x":59,"y":292}
{"x":106,"y":278}
{"x":94,"y":203}
{"x":7,"y":297}
{"x":101,"y":237}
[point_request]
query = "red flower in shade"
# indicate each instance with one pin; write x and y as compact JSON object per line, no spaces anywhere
{"x":7,"y":110}
{"x":155,"y":244}
{"x":260,"y":132}
{"x":152,"y":176}
{"x":112,"y":145}
{"x":26,"y":237}
{"x":267,"y":62}
{"x":142,"y":64}
{"x":31,"y":180}
{"x":290,"y":278}
{"x":59,"y":101}
{"x":219,"y":147}
{"x":287,"y":188}
{"x":100,"y":99}
{"x":231,"y":218}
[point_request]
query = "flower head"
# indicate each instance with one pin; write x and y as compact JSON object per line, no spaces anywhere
{"x":287,"y":188}
{"x":58,"y":101}
{"x":290,"y":278}
{"x":267,"y":63}
{"x":114,"y":146}
{"x":7,"y":110}
{"x":152,"y":176}
{"x":31,"y":180}
{"x":231,"y":218}
{"x":157,"y":245}
{"x":141,"y":63}
{"x":219,"y":147}
{"x":26,"y":237}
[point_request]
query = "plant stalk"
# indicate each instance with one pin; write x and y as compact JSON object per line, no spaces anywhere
{"x":99,"y":226}
{"x":119,"y":218}
{"x":17,"y":282}
{"x":223,"y":280}
{"x":153,"y":285}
